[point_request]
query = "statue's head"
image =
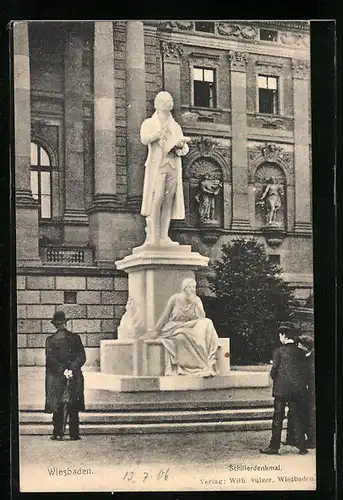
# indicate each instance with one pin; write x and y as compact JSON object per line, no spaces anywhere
{"x":189,"y":286}
{"x":164,"y":101}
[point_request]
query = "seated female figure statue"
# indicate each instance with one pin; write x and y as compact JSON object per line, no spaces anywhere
{"x":189,"y":338}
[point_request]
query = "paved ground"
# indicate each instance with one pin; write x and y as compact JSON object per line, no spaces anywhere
{"x":168,"y":462}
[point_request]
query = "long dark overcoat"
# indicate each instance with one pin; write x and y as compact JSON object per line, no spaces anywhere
{"x":64,"y":350}
{"x":289,"y":372}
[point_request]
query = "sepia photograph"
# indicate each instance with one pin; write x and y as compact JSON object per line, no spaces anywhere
{"x":164,"y":255}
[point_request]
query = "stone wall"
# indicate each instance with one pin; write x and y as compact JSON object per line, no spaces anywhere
{"x":100,"y":303}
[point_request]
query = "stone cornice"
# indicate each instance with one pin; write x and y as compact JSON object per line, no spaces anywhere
{"x":222,"y":43}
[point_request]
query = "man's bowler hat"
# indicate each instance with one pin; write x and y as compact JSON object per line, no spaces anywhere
{"x":59,"y":317}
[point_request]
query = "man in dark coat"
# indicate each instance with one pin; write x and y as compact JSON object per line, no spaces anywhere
{"x":64,"y":384}
{"x":289,"y":385}
{"x":306,"y":344}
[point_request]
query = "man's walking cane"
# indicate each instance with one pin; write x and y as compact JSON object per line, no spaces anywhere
{"x":66,"y":398}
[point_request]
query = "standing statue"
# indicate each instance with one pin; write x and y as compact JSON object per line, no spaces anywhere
{"x":209,"y":189}
{"x":163,"y":193}
{"x":271,"y":199}
{"x":190,"y":339}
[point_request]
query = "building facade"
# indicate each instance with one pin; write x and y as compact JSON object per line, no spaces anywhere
{"x":242,"y":93}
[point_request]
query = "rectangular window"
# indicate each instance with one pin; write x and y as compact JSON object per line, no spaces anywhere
{"x":204,"y":86}
{"x":275,"y":259}
{"x":206,"y":27}
{"x":268,"y":35}
{"x":268,"y":98}
{"x":70,"y":297}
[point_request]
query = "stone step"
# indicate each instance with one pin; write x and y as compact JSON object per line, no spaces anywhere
{"x":135,"y":417}
{"x":219,"y":399}
{"x":160,"y":428}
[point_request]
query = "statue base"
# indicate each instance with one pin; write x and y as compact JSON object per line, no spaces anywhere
{"x":155,"y":273}
{"x":136,"y":362}
{"x":147,"y":357}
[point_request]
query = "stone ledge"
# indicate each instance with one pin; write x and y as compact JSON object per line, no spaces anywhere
{"x":126,"y":383}
{"x":88,"y":429}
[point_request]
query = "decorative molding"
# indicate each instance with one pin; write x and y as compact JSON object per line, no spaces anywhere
{"x":24,"y":199}
{"x":238,"y":60}
{"x":274,"y":234}
{"x":237,"y":31}
{"x":301,"y":68}
{"x":219,"y":156}
{"x":272,"y":121}
{"x":269,"y":64}
{"x":204,"y":166}
{"x":182,"y":25}
{"x":271,"y":153}
{"x":202,"y":55}
{"x":291,"y":38}
{"x":104,"y":203}
{"x":205,"y":145}
{"x":171,"y":50}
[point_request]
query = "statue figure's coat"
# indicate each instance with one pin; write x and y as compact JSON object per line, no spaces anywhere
{"x":157,"y":152}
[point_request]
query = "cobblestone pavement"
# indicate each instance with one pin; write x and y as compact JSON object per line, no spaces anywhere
{"x":162,"y":462}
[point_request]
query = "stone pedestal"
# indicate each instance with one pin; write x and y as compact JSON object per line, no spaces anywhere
{"x":156,"y":273}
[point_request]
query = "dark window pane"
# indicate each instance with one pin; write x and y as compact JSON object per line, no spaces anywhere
{"x":268,"y":35}
{"x":268,"y":102}
{"x":207,"y":27}
{"x":70,"y":297}
{"x":275,"y":259}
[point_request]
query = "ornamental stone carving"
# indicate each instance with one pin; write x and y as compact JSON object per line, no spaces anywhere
{"x":289,"y":38}
{"x":238,"y":60}
{"x":171,"y":50}
{"x":272,"y":154}
{"x":179,"y":24}
{"x":273,"y":122}
{"x":301,"y":68}
{"x":237,"y":31}
{"x":205,"y":145}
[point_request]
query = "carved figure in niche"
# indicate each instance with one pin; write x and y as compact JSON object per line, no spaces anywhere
{"x":131,"y":325}
{"x":271,"y":200}
{"x":190,"y":339}
{"x":208,"y":190}
{"x":163,"y":198}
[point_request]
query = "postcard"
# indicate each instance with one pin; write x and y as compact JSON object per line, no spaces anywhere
{"x":165,"y":327}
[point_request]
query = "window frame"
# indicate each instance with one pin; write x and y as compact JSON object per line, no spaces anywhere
{"x":212,"y":68}
{"x":271,"y":30}
{"x":204,"y":31}
{"x":39,"y":169}
{"x":279,"y":80}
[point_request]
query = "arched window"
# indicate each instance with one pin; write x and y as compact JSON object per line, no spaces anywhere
{"x":41,"y":179}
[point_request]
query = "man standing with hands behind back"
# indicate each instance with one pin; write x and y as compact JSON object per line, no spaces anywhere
{"x":64,"y":384}
{"x":289,"y":385}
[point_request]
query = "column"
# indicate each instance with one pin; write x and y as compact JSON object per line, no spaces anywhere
{"x":74,"y":214}
{"x":27,"y":233}
{"x":105,"y":198}
{"x":240,"y":188}
{"x":136,"y":111}
{"x":301,"y":146}
{"x":171,"y":53}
